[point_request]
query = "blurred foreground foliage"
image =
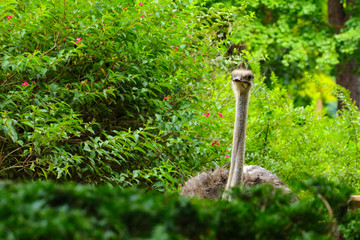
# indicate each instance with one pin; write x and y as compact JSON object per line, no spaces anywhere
{"x":45,"y":210}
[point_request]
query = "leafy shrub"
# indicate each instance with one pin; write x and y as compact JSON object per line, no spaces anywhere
{"x":108,"y":93}
{"x":45,"y":210}
{"x":350,"y":226}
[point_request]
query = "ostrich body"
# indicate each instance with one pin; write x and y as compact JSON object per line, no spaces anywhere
{"x":211,"y":184}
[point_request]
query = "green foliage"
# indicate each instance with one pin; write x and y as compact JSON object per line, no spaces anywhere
{"x":350,"y":226}
{"x":93,"y":110}
{"x":293,"y":142}
{"x":298,"y":142}
{"x":45,"y":210}
{"x":348,"y":41}
{"x":295,"y":37}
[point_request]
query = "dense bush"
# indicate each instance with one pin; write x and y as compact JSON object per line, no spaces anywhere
{"x":105,"y":92}
{"x":45,"y":210}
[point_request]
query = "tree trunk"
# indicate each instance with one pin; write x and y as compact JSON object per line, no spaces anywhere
{"x":345,"y":70}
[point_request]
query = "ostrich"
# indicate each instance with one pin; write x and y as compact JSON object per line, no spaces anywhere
{"x":211,"y":184}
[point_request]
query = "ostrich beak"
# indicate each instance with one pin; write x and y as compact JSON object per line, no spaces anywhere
{"x":240,"y":79}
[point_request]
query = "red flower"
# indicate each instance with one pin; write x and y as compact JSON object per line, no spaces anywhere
{"x":215,"y":142}
{"x":227,"y":156}
{"x":180,"y":184}
{"x":25,"y":83}
{"x":165,"y":98}
{"x":220,"y":114}
{"x":206,"y":114}
{"x":140,"y":4}
{"x":9,"y":17}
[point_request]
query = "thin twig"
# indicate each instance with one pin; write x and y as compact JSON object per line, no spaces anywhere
{"x":15,"y":166}
{"x":327,"y":205}
{"x":11,"y":153}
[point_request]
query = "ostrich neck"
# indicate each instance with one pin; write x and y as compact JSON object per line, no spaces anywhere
{"x":239,"y":138}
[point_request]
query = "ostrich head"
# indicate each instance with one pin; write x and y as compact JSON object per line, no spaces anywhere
{"x":242,"y":80}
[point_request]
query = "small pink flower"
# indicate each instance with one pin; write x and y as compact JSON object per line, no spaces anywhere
{"x":81,"y":43}
{"x":123,"y":8}
{"x":9,"y":17}
{"x":227,"y":156}
{"x":165,"y":98}
{"x":25,"y":83}
{"x":78,"y":39}
{"x":220,"y":114}
{"x":77,"y":42}
{"x":233,"y":124}
{"x":109,"y":87}
{"x":176,"y":47}
{"x":206,"y":114}
{"x":175,"y":51}
{"x":142,"y":16}
{"x":207,"y":55}
{"x":215,"y":142}
{"x":149,"y":14}
{"x":172,"y":47}
{"x":180,"y":184}
{"x":140,"y":4}
{"x":34,"y":82}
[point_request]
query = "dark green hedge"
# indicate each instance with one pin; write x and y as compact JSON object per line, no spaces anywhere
{"x":45,"y":210}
